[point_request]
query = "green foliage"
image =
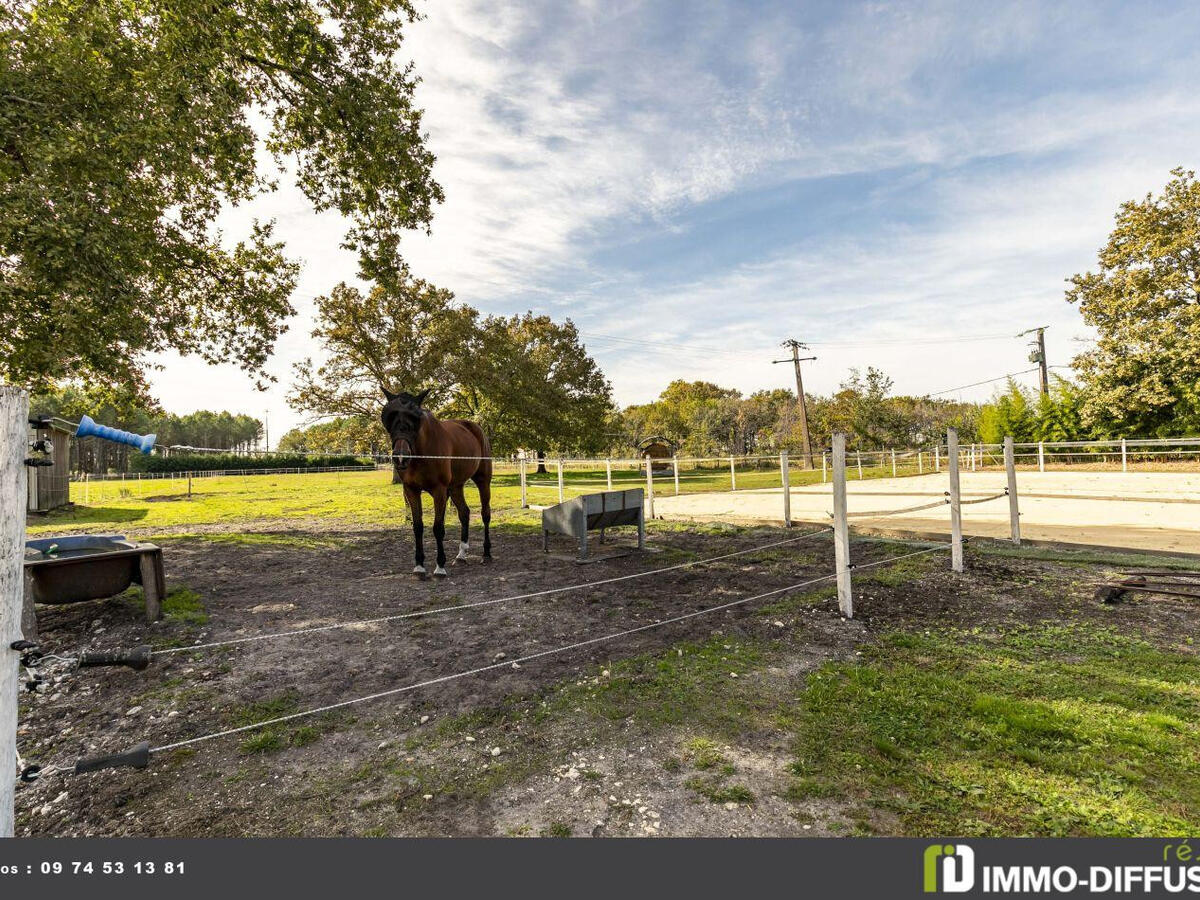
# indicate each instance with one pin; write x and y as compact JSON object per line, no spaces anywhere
{"x":531,"y":384}
{"x":407,"y":335}
{"x":345,"y":434}
{"x":705,"y":419}
{"x":137,"y":121}
{"x":1026,"y":417}
{"x":527,"y":380}
{"x":212,"y":462}
{"x":1143,"y":375}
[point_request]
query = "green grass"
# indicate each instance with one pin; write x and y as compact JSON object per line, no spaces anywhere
{"x":1049,"y":730}
{"x":273,"y":738}
{"x":185,"y":606}
{"x":715,"y":790}
{"x":361,"y":497}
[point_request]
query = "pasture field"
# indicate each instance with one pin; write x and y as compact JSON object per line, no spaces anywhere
{"x":360,"y":498}
{"x":1002,"y":701}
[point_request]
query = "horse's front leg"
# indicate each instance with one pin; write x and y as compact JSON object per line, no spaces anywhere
{"x":439,"y":529}
{"x":412,"y":496}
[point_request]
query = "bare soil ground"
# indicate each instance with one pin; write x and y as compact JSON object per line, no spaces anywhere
{"x":554,"y":746}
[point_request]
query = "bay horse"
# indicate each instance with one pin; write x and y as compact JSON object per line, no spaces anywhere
{"x":438,"y":457}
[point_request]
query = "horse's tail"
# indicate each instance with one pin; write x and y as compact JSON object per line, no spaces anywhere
{"x":485,"y":446}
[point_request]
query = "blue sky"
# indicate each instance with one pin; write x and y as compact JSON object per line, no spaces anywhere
{"x":694,"y":182}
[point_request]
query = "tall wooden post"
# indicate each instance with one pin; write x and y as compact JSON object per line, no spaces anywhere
{"x":560,"y":482}
{"x":859,"y":459}
{"x":14,"y":438}
{"x":787,"y":489}
{"x":920,"y":463}
{"x":675,"y":465}
{"x":608,"y":472}
{"x":937,"y":459}
{"x":1041,"y":456}
{"x":732,"y":475}
{"x":956,"y":551}
{"x":841,"y":529}
{"x":893,"y":463}
{"x":649,"y":487}
{"x":524,"y":492}
{"x":1124,"y":457}
{"x":1014,"y":513}
{"x":824,"y":467}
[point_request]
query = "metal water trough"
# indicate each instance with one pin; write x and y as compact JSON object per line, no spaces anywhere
{"x":73,"y":568}
{"x":594,"y":512}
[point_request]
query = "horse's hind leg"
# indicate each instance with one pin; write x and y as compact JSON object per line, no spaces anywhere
{"x":439,"y":529}
{"x":483,"y":481}
{"x":464,"y":518}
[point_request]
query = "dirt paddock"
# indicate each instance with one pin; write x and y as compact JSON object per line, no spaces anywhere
{"x":518,"y":750}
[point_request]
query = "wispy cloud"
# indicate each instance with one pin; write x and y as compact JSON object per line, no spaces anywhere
{"x":729,"y":174}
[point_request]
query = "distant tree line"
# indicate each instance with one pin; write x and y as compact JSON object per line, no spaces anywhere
{"x":704,"y":419}
{"x":129,"y":412}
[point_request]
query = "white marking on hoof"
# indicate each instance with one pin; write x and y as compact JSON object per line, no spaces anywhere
{"x":419,"y":570}
{"x":440,"y":571}
{"x":463,"y":549}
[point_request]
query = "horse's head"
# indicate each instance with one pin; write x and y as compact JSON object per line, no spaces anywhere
{"x":402,"y":417}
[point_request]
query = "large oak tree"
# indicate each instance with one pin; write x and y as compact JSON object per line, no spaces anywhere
{"x":126,"y":126}
{"x":527,"y":379}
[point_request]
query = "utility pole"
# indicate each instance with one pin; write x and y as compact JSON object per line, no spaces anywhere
{"x":1038,"y":355}
{"x":795,"y":360}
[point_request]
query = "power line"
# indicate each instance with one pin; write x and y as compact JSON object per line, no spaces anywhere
{"x":963,"y":387}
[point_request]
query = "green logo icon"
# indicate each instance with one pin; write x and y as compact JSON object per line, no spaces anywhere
{"x":948,"y":868}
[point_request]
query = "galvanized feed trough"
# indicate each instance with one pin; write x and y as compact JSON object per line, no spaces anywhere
{"x":594,"y":512}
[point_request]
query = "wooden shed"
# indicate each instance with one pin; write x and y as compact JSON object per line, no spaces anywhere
{"x":659,"y":448}
{"x":50,"y":486}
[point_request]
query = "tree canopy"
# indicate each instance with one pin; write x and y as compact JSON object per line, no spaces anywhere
{"x":526,"y":379}
{"x":127,"y":126}
{"x":705,"y":419}
{"x":1143,"y":375}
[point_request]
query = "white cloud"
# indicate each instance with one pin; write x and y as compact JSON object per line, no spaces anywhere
{"x":556,"y":126}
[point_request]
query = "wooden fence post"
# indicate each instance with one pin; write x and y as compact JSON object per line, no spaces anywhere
{"x":14,"y":439}
{"x":841,"y":530}
{"x":560,"y":481}
{"x":732,"y":475}
{"x":787,"y":489}
{"x":1014,"y":513}
{"x":524,"y":492}
{"x":1041,"y":456}
{"x":675,"y":465}
{"x":859,"y":458}
{"x":608,"y":472}
{"x":824,"y":466}
{"x":893,"y":463}
{"x":920,"y":463}
{"x":1124,"y":458}
{"x":649,"y":487}
{"x":956,"y":552}
{"x":937,"y":459}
